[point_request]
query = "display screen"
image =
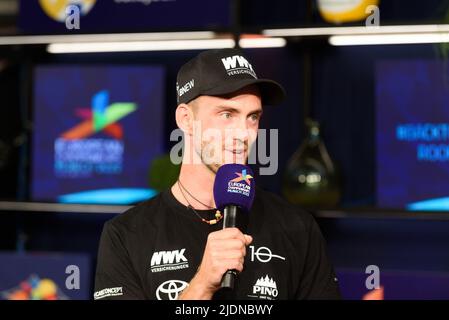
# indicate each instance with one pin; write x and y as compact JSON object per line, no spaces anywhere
{"x":96,"y":130}
{"x":413,"y":134}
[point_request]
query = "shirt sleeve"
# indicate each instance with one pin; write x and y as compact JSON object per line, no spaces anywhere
{"x":318,"y":281}
{"x":115,"y":277}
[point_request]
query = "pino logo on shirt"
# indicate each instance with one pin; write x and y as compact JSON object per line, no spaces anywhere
{"x":265,"y":288}
{"x":236,"y":64}
{"x":169,"y":260}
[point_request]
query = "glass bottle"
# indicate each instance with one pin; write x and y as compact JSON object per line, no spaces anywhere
{"x":311,"y":178}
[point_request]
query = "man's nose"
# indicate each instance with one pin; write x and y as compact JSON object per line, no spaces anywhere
{"x":241,"y":131}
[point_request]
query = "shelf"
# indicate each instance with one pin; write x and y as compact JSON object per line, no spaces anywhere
{"x":371,"y":213}
{"x":357,"y":30}
{"x":381,"y":214}
{"x":106,"y":37}
{"x":303,"y":32}
{"x":60,"y":207}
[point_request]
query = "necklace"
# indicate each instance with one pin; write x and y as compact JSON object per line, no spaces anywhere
{"x":218,"y":215}
{"x":182,"y":186}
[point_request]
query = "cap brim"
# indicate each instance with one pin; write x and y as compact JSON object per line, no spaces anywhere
{"x":272,"y":93}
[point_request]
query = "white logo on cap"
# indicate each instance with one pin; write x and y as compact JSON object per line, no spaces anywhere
{"x":185,"y":88}
{"x":238,"y":65}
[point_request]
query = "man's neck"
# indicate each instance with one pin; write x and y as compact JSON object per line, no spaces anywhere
{"x":198,"y":180}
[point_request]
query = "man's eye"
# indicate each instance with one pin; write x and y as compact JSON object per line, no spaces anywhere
{"x":254,"y":117}
{"x":226,"y":115}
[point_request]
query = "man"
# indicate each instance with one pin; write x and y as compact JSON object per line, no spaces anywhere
{"x":173,"y":245}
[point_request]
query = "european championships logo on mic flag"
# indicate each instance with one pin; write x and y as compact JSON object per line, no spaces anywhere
{"x":236,"y":186}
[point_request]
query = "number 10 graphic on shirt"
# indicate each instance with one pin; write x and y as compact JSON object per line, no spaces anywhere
{"x":263,"y":254}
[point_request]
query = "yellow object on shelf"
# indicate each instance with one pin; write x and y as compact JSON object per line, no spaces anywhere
{"x":56,"y":9}
{"x":339,"y":11}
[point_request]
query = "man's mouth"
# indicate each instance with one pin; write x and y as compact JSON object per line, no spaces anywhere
{"x":237,"y":151}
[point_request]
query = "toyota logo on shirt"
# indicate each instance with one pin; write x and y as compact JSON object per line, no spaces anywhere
{"x":170,"y":289}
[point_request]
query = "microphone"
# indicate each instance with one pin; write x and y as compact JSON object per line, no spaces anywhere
{"x":234,"y":190}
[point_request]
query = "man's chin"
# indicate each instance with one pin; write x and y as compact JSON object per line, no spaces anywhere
{"x":215,"y":166}
{"x":236,"y":160}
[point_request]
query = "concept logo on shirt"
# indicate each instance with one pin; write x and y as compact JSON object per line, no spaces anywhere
{"x":265,"y":288}
{"x":108,"y":292}
{"x":169,"y":260}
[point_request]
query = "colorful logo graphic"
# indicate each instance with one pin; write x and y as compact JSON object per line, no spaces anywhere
{"x":34,"y":288}
{"x":56,"y":9}
{"x":242,"y":177}
{"x":78,"y":156}
{"x":101,"y":117}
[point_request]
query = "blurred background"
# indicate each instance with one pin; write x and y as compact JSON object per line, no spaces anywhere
{"x":87,"y":107}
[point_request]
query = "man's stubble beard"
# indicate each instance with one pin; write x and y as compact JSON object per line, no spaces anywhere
{"x":213,"y":165}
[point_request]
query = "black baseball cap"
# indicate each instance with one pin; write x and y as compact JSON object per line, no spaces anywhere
{"x":222,"y":71}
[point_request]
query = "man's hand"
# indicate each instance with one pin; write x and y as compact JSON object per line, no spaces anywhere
{"x":225,"y":250}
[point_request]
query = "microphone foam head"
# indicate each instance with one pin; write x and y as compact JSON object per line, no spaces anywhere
{"x":234,"y":185}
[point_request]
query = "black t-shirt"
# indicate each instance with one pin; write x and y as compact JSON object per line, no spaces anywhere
{"x":153,"y":250}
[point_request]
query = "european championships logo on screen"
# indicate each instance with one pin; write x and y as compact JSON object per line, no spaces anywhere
{"x":78,"y":153}
{"x":96,"y":131}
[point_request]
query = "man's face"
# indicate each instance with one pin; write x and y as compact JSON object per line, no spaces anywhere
{"x":228,"y":126}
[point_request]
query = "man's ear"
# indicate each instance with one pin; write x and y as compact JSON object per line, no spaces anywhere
{"x":184,"y":118}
